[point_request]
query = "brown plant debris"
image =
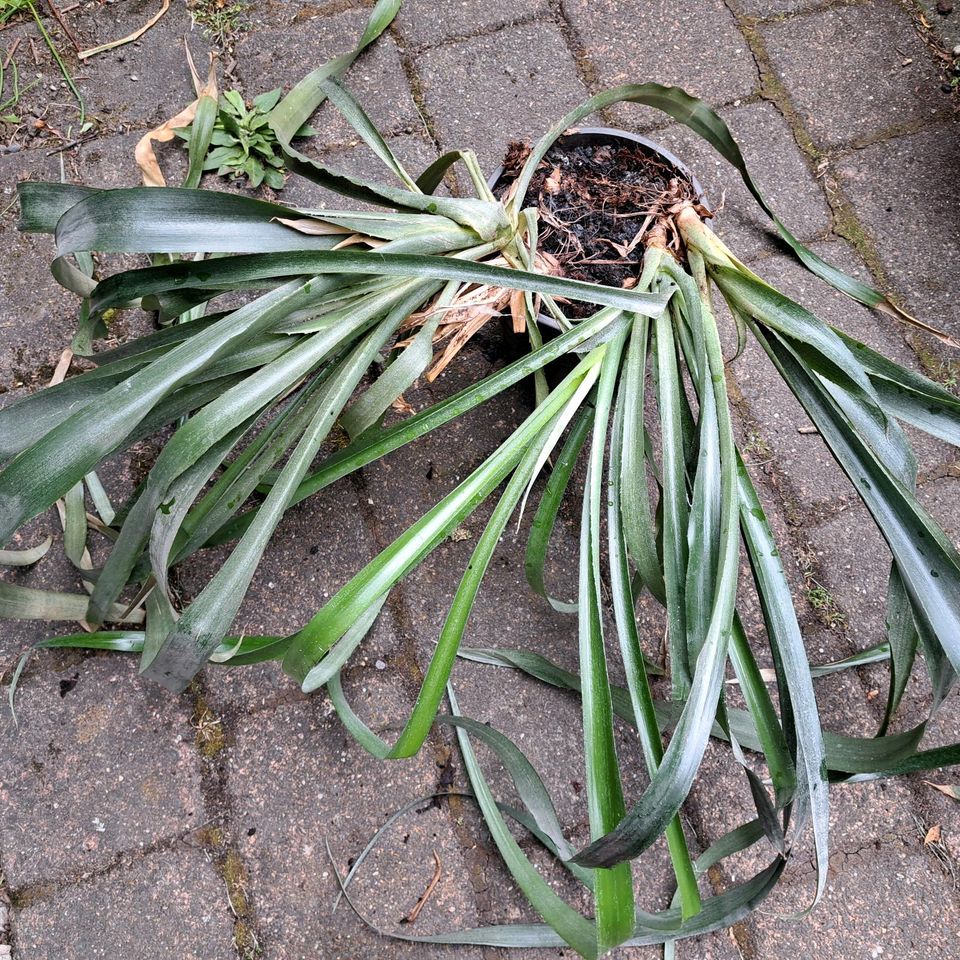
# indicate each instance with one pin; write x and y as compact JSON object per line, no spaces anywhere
{"x":597,"y":205}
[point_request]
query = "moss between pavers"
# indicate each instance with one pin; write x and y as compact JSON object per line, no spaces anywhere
{"x":230,"y":868}
{"x":211,"y":736}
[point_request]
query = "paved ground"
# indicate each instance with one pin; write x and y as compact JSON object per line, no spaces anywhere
{"x":133,"y":824}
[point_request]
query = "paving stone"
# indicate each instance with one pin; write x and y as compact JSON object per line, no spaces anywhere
{"x":947,"y":25}
{"x":855,"y":563}
{"x":303,"y":566}
{"x":891,"y":902}
{"x":695,"y":45}
{"x":910,"y":206}
{"x":427,"y":23}
{"x":377,"y":78}
{"x":135,"y":86}
{"x":778,"y":166}
{"x":170,"y":903}
{"x":484,"y":92}
{"x":803,"y":459}
{"x":877,"y":74}
{"x":53,"y":572}
{"x":298,"y":781}
{"x":38,"y":317}
{"x":778,"y":8}
{"x":101,"y":763}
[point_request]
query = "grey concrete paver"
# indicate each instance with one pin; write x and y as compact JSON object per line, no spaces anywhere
{"x":695,"y":45}
{"x":910,"y":204}
{"x":870,"y":73}
{"x":778,"y":166}
{"x":431,"y":22}
{"x":170,"y":903}
{"x":484,"y":92}
{"x":135,"y":86}
{"x":100,"y":764}
{"x":301,"y":569}
{"x":43,"y":318}
{"x":298,"y":782}
{"x":879,"y":903}
{"x":377,"y":78}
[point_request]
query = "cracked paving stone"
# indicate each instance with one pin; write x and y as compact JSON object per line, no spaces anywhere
{"x":377,"y":79}
{"x":908,"y":198}
{"x":101,"y":763}
{"x":894,"y":901}
{"x":624,"y":46}
{"x":484,"y":92}
{"x":170,"y":903}
{"x":870,"y":72}
{"x":431,"y":22}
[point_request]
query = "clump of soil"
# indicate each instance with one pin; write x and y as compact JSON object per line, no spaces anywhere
{"x":596,"y":203}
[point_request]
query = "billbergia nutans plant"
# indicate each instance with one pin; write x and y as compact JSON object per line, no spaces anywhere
{"x":271,"y":321}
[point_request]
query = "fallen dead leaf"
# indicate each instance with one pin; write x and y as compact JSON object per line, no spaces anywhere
{"x":948,"y":789}
{"x":145,"y":157}
{"x":933,"y":835}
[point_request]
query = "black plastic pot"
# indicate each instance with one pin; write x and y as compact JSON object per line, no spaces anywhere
{"x":603,"y":136}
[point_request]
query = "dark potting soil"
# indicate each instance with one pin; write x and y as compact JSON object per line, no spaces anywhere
{"x":595,"y":203}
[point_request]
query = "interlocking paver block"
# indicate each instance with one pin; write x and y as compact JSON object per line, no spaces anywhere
{"x":168,"y":904}
{"x":776,"y":163}
{"x":430,"y":22}
{"x":377,"y":78}
{"x":869,"y":72}
{"x":101,"y":763}
{"x":298,"y":781}
{"x":695,"y":44}
{"x":484,"y":92}
{"x":906,"y":195}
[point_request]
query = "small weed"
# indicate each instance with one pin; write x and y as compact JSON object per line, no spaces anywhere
{"x":823,"y":601}
{"x":243,"y":143}
{"x":220,"y":18}
{"x":11,"y":8}
{"x":757,"y":448}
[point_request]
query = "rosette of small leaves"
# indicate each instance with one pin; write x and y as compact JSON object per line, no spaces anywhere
{"x":243,"y":144}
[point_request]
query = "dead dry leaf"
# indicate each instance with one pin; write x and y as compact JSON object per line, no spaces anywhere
{"x":144,"y":154}
{"x":312,"y":227}
{"x":933,"y":835}
{"x":552,"y":183}
{"x":518,"y":311}
{"x":947,"y":789}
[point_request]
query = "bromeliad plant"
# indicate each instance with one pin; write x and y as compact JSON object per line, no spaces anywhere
{"x":252,"y":393}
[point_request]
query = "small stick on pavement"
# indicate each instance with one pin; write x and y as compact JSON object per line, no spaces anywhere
{"x":58,"y":14}
{"x":431,"y":886}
